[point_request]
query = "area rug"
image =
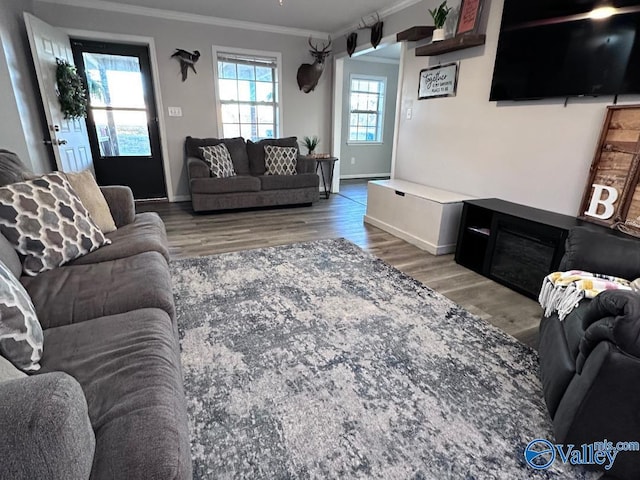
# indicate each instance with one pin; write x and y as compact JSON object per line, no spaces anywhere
{"x":317,"y":360}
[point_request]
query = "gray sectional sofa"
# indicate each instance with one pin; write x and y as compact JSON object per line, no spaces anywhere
{"x":108,"y":402}
{"x":250,"y":187}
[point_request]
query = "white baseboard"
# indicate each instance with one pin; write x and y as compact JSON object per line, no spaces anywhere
{"x":364,"y":175}
{"x":181,"y":198}
{"x":412,"y":239}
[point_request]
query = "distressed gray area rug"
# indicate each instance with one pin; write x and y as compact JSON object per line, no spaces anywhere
{"x":317,"y":360}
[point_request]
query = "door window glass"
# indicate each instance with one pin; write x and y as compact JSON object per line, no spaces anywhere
{"x":117,"y":104}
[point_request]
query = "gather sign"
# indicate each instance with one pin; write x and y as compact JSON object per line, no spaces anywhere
{"x":440,"y":81}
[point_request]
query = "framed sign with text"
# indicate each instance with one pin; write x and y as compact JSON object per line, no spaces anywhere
{"x":440,"y":81}
{"x":469,"y":18}
{"x":612,"y":193}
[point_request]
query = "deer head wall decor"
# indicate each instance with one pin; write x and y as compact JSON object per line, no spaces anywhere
{"x":309,"y":74}
{"x":376,"y":30}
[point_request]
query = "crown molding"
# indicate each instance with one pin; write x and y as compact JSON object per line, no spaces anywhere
{"x":365,"y":58}
{"x":108,"y":6}
{"x":385,"y":12}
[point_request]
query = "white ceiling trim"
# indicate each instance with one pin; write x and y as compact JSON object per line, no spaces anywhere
{"x":365,"y":58}
{"x":186,"y":17}
{"x":385,"y":12}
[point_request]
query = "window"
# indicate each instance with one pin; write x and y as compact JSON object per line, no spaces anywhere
{"x":366,"y":97}
{"x":248,"y":94}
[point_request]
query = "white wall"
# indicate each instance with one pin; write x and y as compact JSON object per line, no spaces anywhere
{"x":535,"y":153}
{"x":369,"y":159}
{"x":304,"y":114}
{"x":21,"y":116}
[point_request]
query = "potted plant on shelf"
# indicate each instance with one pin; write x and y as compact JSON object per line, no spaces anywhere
{"x":311,"y":143}
{"x":439,"y":16}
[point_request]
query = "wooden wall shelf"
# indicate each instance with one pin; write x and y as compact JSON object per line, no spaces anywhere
{"x":414,"y":34}
{"x":459,"y":42}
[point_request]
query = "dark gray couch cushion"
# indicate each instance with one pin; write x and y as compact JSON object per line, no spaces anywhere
{"x":239,"y":183}
{"x":145,"y":234}
{"x":9,"y":256}
{"x":45,"y":431}
{"x":602,"y":251}
{"x":8,"y":371}
{"x":236,"y":146}
{"x":284,"y":182}
{"x":77,"y":293}
{"x":12,"y":169}
{"x":121,"y":204}
{"x":256,"y":152}
{"x":129,"y":368}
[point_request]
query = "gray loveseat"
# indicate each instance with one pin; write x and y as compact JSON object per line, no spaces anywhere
{"x":108,"y":402}
{"x":250,"y":187}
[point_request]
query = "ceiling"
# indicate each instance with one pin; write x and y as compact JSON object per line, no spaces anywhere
{"x":312,"y":15}
{"x":384,"y":52}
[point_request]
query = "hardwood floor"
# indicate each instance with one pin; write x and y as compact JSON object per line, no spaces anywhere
{"x":191,"y":234}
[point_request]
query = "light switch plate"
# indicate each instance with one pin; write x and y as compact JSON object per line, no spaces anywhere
{"x":175,"y":111}
{"x":409,"y":113}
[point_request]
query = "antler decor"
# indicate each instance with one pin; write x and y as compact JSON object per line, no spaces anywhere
{"x":352,"y":42}
{"x":376,"y":29}
{"x":309,"y":74}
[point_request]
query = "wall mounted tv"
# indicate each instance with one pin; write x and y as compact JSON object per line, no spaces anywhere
{"x":566,"y":48}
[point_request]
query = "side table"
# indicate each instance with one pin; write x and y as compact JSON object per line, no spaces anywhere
{"x":326,"y":166}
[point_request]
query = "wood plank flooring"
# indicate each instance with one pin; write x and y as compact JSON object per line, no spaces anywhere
{"x":192,"y":234}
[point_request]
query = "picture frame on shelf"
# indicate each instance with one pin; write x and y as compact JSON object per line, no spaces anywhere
{"x":469,"y":17}
{"x":438,"y":81}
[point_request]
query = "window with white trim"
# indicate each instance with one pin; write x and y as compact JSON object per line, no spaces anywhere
{"x":366,"y":108}
{"x":248,"y":95}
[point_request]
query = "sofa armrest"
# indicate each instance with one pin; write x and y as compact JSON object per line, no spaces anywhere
{"x":121,"y":203}
{"x":197,"y":168}
{"x":613,"y":316}
{"x":602,"y":251}
{"x":306,"y":164}
{"x":45,"y":430}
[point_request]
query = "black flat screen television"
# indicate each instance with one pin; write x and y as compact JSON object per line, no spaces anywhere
{"x":554,"y":48}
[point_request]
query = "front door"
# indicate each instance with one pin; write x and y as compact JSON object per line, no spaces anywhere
{"x":68,"y":137}
{"x":122,"y":121}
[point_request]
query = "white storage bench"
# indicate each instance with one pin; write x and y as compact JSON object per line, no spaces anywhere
{"x":424,"y":216}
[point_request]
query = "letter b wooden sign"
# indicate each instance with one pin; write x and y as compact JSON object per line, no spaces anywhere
{"x":612,"y":193}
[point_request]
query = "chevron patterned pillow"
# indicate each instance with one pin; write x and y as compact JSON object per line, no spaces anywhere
{"x":21,"y":335}
{"x":46,"y":222}
{"x":280,"y":160}
{"x":219,"y":160}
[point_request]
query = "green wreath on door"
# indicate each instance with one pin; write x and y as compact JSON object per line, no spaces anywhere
{"x":72,"y":93}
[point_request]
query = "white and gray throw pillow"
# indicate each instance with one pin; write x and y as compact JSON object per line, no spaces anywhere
{"x":280,"y":160}
{"x":219,"y":160}
{"x":21,"y":336}
{"x":46,"y":222}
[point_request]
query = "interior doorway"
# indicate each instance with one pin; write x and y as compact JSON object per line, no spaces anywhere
{"x":365,"y":111}
{"x":123,"y":121}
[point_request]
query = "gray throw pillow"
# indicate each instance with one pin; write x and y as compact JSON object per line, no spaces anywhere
{"x":46,"y":222}
{"x":12,"y":169}
{"x":219,"y":160}
{"x":8,"y":371}
{"x":20,"y":332}
{"x":280,"y":160}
